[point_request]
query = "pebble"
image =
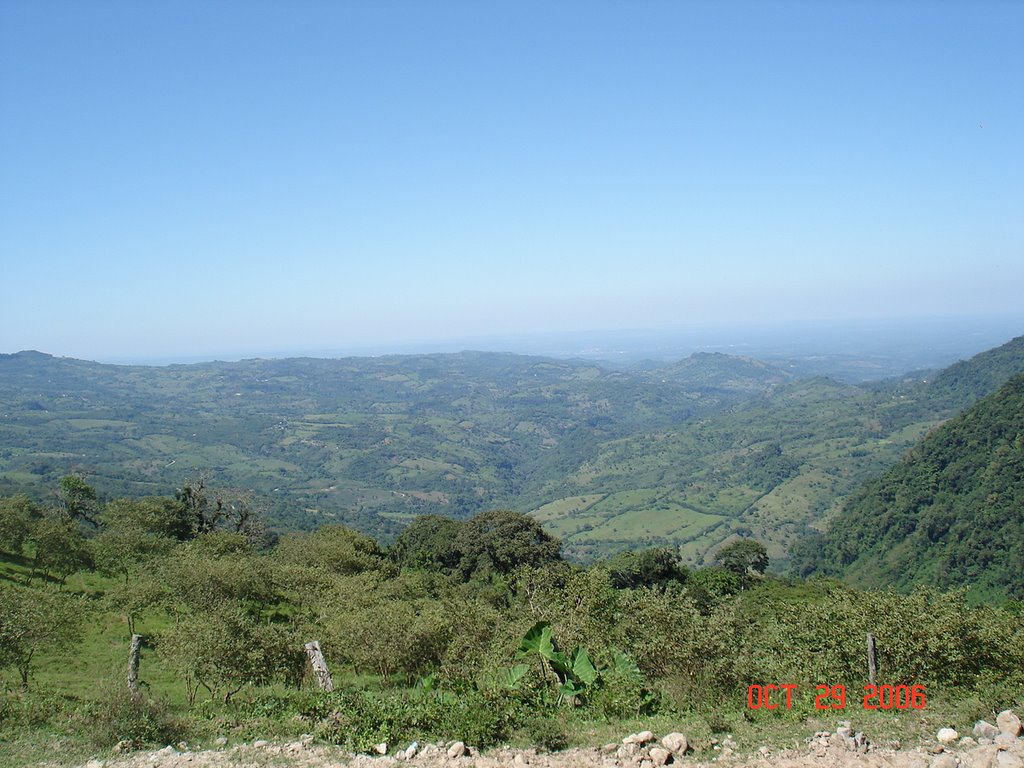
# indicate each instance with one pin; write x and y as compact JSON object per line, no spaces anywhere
{"x":947,"y":735}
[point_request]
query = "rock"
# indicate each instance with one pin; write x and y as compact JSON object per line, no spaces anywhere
{"x":1008,"y":722}
{"x":967,"y":743}
{"x":124,"y":745}
{"x":844,"y":731}
{"x":381,"y":749}
{"x":860,"y":743}
{"x":168,"y":750}
{"x":985,"y":730}
{"x":261,"y":744}
{"x":1004,"y":741}
{"x":458,"y":749}
{"x":646,"y":764}
{"x":945,"y":760}
{"x":95,"y":764}
{"x":410,"y":751}
{"x":642,"y":737}
{"x":609,"y":748}
{"x":182,"y":746}
{"x":660,"y":756}
{"x":979,"y":758}
{"x":947,"y":735}
{"x":675,"y":743}
{"x":837,"y":741}
{"x":1007,"y":760}
{"x":520,"y":760}
{"x":220,"y":742}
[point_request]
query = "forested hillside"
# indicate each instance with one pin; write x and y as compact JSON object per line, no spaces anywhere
{"x":686,"y":455}
{"x":950,"y":514}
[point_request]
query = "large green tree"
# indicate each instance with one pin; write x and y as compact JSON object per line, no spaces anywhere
{"x":501,"y":541}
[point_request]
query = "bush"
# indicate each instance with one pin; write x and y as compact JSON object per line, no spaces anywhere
{"x":360,"y":720}
{"x":117,"y":715}
{"x":546,"y":732}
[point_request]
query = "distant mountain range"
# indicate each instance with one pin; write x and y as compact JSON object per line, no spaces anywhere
{"x":688,"y":454}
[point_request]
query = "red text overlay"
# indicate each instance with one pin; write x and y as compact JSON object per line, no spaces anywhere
{"x":833,"y":697}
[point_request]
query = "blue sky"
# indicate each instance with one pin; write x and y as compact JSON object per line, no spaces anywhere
{"x":210,"y":178}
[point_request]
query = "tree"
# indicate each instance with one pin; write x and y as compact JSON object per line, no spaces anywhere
{"x":16,"y":515}
{"x":59,"y":547}
{"x":744,"y":557}
{"x":429,"y":543}
{"x":225,"y":649}
{"x":157,"y":515}
{"x":334,"y":548}
{"x":655,"y":567}
{"x":78,"y":499}
{"x":501,"y":541}
{"x":31,"y":619}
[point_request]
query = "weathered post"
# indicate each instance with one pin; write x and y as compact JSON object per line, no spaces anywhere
{"x":133,"y":664}
{"x":319,"y":664}
{"x":872,"y":666}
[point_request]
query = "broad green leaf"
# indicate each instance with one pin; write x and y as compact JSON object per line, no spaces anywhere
{"x":583,"y":668}
{"x":537,"y":640}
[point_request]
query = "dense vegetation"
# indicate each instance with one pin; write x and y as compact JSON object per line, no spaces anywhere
{"x":950,"y":514}
{"x":686,"y":456}
{"x":474,"y":629}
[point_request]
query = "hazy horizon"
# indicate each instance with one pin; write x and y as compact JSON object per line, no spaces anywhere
{"x":879,"y":348}
{"x":208,"y":179}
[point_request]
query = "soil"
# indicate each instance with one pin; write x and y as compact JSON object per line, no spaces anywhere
{"x":815,"y":755}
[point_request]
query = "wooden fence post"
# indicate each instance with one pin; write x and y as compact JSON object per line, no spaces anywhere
{"x":133,"y":664}
{"x":319,"y":664}
{"x":872,"y":666}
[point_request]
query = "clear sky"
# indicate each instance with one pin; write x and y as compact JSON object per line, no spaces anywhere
{"x":201,"y":178}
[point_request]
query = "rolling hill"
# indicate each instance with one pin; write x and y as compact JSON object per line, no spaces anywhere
{"x":686,"y":455}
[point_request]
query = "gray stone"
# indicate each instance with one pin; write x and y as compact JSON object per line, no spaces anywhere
{"x":844,"y":731}
{"x":979,"y":758}
{"x":381,"y":749}
{"x":261,"y":743}
{"x":947,"y":735}
{"x":1005,"y":740}
{"x":1007,"y":760}
{"x":458,"y":749}
{"x":1008,"y":722}
{"x":985,"y":730}
{"x":945,"y":760}
{"x":642,"y":737}
{"x":660,"y":756}
{"x":675,"y":743}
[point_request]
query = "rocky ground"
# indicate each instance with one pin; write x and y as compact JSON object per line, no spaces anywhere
{"x":999,"y":745}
